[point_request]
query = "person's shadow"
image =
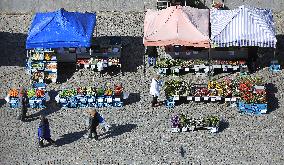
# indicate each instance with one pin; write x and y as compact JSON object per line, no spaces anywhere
{"x":2,"y":102}
{"x":116,"y":130}
{"x":70,"y":137}
{"x":132,"y":98}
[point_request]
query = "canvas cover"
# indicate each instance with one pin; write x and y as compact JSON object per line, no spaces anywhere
{"x":177,"y":25}
{"x":245,"y":26}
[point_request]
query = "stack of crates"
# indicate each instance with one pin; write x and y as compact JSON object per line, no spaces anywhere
{"x":252,"y":108}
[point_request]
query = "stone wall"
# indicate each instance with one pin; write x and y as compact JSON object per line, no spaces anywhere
{"x":31,"y":6}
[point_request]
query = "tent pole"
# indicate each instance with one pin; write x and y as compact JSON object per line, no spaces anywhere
{"x":209,"y":58}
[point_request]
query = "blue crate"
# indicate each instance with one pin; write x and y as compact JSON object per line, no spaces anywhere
{"x":151,"y":61}
{"x":14,"y":102}
{"x":275,"y":67}
{"x":251,"y":108}
{"x":170,"y":103}
{"x":64,"y":102}
{"x":82,"y":101}
{"x":108,"y":101}
{"x":100,"y":101}
{"x":118,"y":104}
{"x":92,"y":101}
{"x":248,"y":106}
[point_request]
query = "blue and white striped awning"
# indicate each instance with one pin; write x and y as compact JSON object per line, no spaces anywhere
{"x":245,"y":26}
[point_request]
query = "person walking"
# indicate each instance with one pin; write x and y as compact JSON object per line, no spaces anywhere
{"x":100,"y":67}
{"x":155,"y":90}
{"x":94,"y":121}
{"x":24,"y":108}
{"x":44,"y":132}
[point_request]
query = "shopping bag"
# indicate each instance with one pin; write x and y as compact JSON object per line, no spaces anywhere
{"x":125,"y":95}
{"x":7,"y":98}
{"x":87,"y":121}
{"x":57,"y":98}
{"x":47,"y":97}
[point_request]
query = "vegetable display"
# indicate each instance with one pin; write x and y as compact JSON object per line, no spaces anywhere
{"x":13,"y":93}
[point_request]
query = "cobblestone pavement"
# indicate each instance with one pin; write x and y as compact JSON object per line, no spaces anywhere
{"x":139,"y":133}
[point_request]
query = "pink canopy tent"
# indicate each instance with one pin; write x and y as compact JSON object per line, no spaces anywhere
{"x":177,"y":25}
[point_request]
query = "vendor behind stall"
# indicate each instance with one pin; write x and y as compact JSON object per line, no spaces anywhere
{"x":152,"y":55}
{"x":100,"y":67}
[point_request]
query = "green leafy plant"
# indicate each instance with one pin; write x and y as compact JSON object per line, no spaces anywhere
{"x":100,"y":91}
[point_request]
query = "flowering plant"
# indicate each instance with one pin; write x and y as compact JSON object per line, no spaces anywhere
{"x":175,"y":121}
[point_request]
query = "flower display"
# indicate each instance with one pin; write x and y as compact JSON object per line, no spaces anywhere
{"x":176,"y":87}
{"x":175,"y":121}
{"x":242,"y":87}
{"x":168,"y":63}
{"x":181,"y":120}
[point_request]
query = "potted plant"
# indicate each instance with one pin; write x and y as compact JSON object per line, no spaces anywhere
{"x":175,"y":120}
{"x":183,"y":122}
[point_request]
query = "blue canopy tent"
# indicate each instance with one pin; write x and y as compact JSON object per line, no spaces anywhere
{"x":61,"y":29}
{"x":245,"y":26}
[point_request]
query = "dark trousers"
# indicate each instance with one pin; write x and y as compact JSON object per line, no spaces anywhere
{"x":101,"y":73}
{"x":154,"y":101}
{"x":91,"y":132}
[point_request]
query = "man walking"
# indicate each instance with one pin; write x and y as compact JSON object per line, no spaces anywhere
{"x":24,"y":109}
{"x":93,"y":123}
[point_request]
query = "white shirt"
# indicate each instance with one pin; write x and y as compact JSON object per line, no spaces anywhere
{"x":100,"y":66}
{"x":155,"y":88}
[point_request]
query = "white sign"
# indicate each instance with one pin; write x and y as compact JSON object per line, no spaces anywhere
{"x":197,"y":98}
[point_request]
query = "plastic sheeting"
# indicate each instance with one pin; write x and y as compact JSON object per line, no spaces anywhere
{"x":61,"y":29}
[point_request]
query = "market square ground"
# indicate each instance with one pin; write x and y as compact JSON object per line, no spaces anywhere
{"x":139,"y":133}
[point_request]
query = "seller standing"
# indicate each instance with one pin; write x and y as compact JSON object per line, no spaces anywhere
{"x":100,"y":67}
{"x":155,"y":90}
{"x":24,"y":108}
{"x":93,"y":123}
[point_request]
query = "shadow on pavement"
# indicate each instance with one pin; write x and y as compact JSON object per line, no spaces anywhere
{"x":116,"y":130}
{"x":70,"y":138}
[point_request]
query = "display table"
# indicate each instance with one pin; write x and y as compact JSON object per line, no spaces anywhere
{"x":182,"y":123}
{"x":199,"y":67}
{"x":42,"y":65}
{"x":91,"y":101}
{"x":246,"y":92}
{"x":91,"y":97}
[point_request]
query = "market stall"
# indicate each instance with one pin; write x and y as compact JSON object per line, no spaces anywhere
{"x":182,"y":31}
{"x":49,"y":33}
{"x":248,"y":93}
{"x":92,"y":97}
{"x":104,"y":50}
{"x":245,"y":27}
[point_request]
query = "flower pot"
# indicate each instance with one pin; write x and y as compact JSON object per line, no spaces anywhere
{"x":184,"y":129}
{"x":214,"y":129}
{"x":174,"y":130}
